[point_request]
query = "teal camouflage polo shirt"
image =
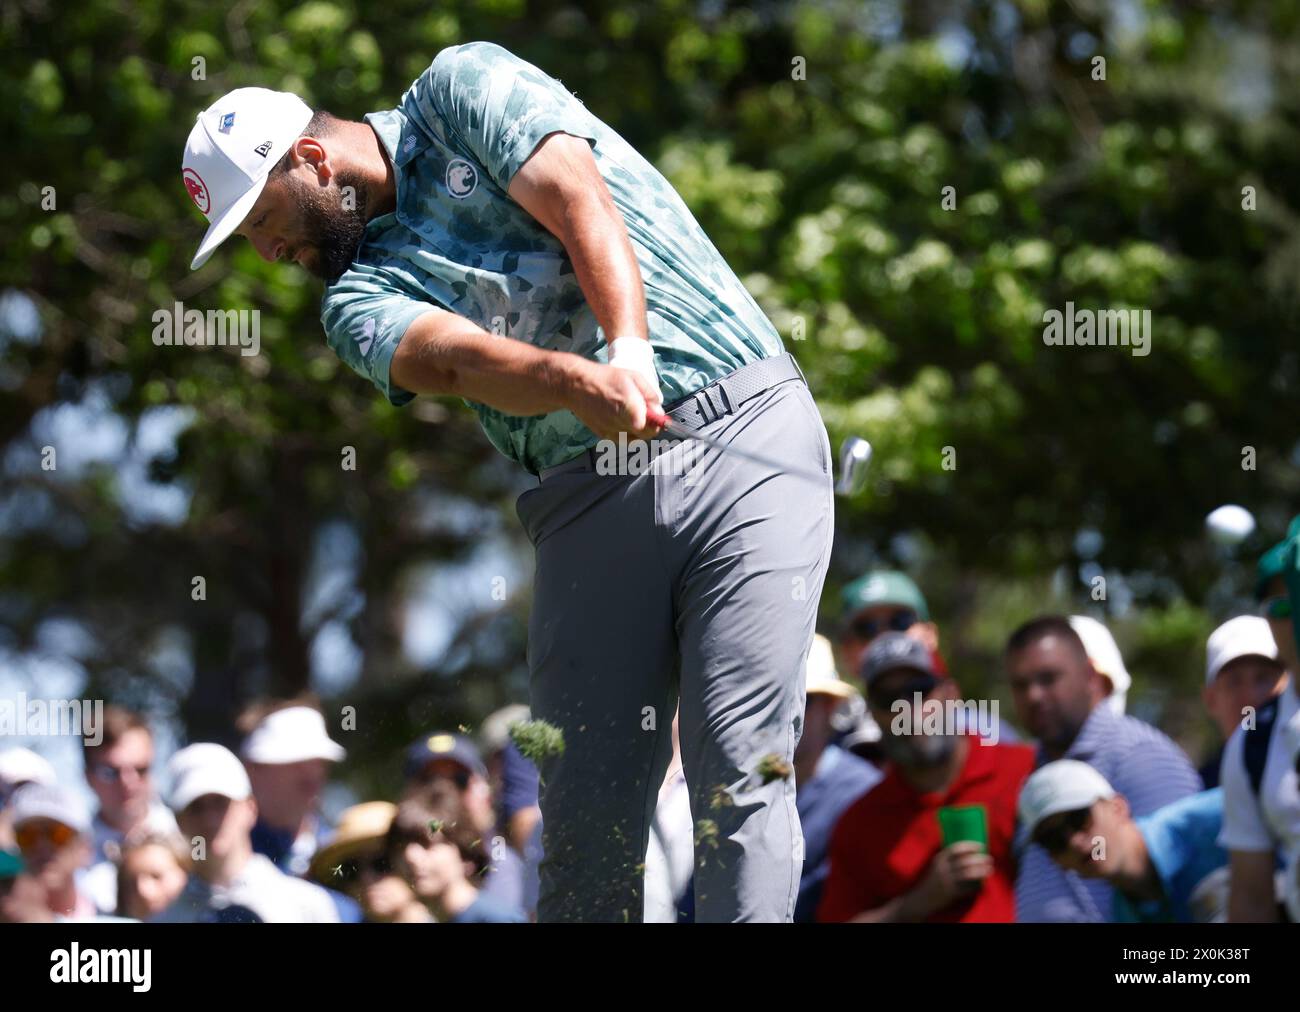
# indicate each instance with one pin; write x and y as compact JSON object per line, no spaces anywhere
{"x":456,"y":241}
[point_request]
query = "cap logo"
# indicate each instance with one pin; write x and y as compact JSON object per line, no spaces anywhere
{"x":198,"y":190}
{"x":263,"y":149}
{"x":898,"y":648}
{"x":441,"y":743}
{"x":462,"y":178}
{"x":227,"y":121}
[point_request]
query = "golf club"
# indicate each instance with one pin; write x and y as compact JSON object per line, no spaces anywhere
{"x":855,"y":454}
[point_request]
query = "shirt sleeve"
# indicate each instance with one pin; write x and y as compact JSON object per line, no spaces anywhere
{"x":1155,"y":773}
{"x":364,"y":324}
{"x":1243,"y":818}
{"x":498,"y":106}
{"x":519,"y":782}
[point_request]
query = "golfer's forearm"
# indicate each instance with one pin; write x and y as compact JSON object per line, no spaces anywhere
{"x":445,"y":354}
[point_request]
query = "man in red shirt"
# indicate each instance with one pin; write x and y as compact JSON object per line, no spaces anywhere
{"x":887,"y":859}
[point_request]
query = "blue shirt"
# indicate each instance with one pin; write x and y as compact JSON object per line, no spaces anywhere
{"x":1182,"y":842}
{"x":1142,"y":764}
{"x":840,"y":779}
{"x":485,"y":910}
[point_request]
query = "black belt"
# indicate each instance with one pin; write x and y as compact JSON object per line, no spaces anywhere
{"x":720,"y":398}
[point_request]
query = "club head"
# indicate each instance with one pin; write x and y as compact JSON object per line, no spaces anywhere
{"x":855,"y":455}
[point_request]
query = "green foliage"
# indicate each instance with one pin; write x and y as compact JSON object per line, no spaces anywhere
{"x":921,"y":326}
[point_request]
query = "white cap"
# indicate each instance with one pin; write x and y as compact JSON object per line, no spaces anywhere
{"x":1243,"y":636}
{"x":820,"y":672}
{"x":292,"y":735}
{"x":206,"y":768}
{"x":233,"y":146}
{"x":494,"y":735}
{"x":1104,"y":654}
{"x":23,"y":766}
{"x":1062,"y":786}
{"x":47,"y":801}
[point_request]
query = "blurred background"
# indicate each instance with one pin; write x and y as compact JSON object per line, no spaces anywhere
{"x":814,"y":142}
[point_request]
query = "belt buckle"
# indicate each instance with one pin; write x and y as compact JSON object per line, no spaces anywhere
{"x":705,"y":397}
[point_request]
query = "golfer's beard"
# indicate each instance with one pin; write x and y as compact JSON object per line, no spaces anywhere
{"x":918,"y":751}
{"x":334,"y":230}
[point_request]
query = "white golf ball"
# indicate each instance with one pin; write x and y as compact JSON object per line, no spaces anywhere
{"x":1230,"y":525}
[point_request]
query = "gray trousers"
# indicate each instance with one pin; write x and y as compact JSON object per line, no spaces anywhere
{"x":702,"y":588}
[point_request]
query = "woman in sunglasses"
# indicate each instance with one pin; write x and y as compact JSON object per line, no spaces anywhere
{"x":53,"y":832}
{"x":356,"y":863}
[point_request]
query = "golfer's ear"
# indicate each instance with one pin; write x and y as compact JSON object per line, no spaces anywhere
{"x":312,"y":152}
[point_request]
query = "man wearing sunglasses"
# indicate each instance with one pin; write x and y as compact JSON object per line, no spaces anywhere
{"x":1163,"y":867}
{"x":53,"y":833}
{"x":879,"y":602}
{"x":1261,"y":821}
{"x":884,"y":601}
{"x":889,"y":860}
{"x":120,"y":772}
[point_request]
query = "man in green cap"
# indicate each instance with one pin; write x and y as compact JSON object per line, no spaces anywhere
{"x":884,"y":601}
{"x":1261,"y":803}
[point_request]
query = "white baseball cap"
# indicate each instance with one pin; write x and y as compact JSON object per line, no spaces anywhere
{"x":23,"y":766}
{"x":820,"y":673}
{"x":291,"y":735}
{"x":1243,"y":636}
{"x":233,"y":146}
{"x":47,"y":801}
{"x":206,"y":768}
{"x":1062,"y":786}
{"x":1104,"y":654}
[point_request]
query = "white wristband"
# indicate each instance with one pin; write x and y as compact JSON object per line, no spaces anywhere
{"x":634,"y":353}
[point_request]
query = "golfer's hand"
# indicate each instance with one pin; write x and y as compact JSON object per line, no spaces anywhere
{"x":609,"y":400}
{"x":955,"y":873}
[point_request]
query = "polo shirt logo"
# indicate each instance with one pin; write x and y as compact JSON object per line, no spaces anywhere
{"x":367,"y":337}
{"x":462,"y":178}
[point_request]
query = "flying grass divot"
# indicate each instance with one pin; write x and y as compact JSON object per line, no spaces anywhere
{"x":537,"y":740}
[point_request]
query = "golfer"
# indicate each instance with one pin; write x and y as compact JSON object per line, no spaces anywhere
{"x":492,"y":240}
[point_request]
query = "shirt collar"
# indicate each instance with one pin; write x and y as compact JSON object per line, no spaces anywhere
{"x":393,"y":130}
{"x":1092,"y":738}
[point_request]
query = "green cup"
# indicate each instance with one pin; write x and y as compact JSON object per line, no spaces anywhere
{"x":962,"y":823}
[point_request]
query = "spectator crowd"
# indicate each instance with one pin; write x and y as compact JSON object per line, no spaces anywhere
{"x":916,"y":804}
